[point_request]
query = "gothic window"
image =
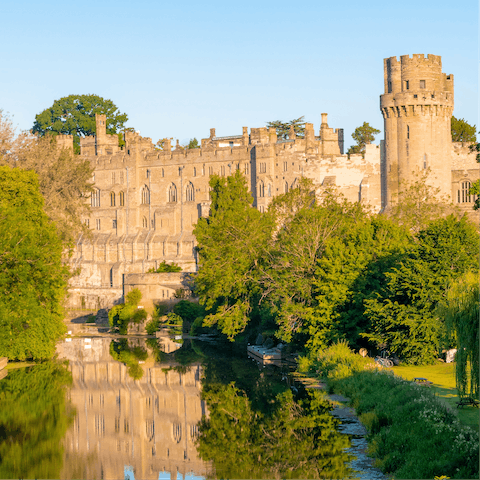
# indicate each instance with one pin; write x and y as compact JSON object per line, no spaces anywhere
{"x":261,"y":189}
{"x":269,"y":190}
{"x":112,"y":199}
{"x":286,"y":187}
{"x":285,"y":166}
{"x":177,"y":432}
{"x":144,"y":222}
{"x":145,"y":195}
{"x":246,"y":169}
{"x":263,"y":167}
{"x":95,"y":198}
{"x":172,"y":193}
{"x":98,"y":224}
{"x":190,"y":193}
{"x":463,"y":194}
{"x":121,"y":199}
{"x":148,"y":173}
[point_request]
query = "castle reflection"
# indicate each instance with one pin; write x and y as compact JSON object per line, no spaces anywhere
{"x":148,"y":424}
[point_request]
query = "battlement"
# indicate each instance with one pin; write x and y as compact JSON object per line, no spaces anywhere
{"x":416,"y":59}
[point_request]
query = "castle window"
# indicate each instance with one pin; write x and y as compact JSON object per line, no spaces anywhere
{"x":269,"y":190}
{"x":112,"y":199}
{"x":464,"y":194}
{"x":286,"y":187}
{"x":246,"y":169}
{"x":163,"y":172}
{"x":222,"y":171}
{"x":415,"y":96}
{"x":190,"y":193}
{"x":406,"y":84}
{"x":422,"y":83}
{"x":153,"y":223}
{"x":98,"y":223}
{"x":408,"y":131}
{"x":194,"y":172}
{"x":285,"y":166}
{"x":121,"y":199}
{"x":261,"y":209}
{"x":144,"y":222}
{"x":95,"y":198}
{"x":172,"y":193}
{"x":114,"y":223}
{"x":261,"y":189}
{"x":389,"y":87}
{"x":148,"y":172}
{"x":210,"y":170}
{"x":145,"y":195}
{"x":87,"y":222}
{"x":263,"y":167}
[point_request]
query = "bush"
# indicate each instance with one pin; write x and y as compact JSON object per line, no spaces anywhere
{"x":139,"y":316}
{"x":165,"y":267}
{"x":152,"y":326}
{"x":133,"y":297}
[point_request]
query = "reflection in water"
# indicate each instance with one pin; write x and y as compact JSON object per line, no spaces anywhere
{"x":257,"y":428}
{"x":34,"y":417}
{"x":148,"y":424}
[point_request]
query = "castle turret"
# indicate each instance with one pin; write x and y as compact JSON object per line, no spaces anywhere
{"x":417,"y":109}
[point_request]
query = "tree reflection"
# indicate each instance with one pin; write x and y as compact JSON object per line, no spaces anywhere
{"x":34,"y":417}
{"x":253,"y":432}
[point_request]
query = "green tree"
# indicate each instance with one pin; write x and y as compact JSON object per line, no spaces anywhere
{"x":34,"y":418}
{"x":362,"y":135}
{"x":75,"y":115}
{"x":165,"y":267}
{"x":460,"y":311}
{"x":284,"y":128}
{"x":230,"y":242}
{"x":193,"y":143}
{"x":462,"y":131}
{"x":402,"y":316}
{"x":32,"y":276}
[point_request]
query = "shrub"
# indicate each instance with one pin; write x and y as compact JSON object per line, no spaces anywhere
{"x":139,"y":315}
{"x":133,"y":297}
{"x":152,"y":326}
{"x":165,"y":267}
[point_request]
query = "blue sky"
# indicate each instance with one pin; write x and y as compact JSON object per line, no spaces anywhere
{"x":180,"y":68}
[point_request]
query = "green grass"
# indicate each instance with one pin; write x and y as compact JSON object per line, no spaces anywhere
{"x":443,"y":377}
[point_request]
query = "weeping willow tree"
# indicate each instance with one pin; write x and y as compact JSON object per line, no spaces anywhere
{"x":460,"y":310}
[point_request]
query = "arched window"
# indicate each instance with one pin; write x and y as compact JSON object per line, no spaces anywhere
{"x":463,"y":194}
{"x":144,"y":222}
{"x":95,"y":199}
{"x":190,"y":193}
{"x":145,"y":195}
{"x":172,"y":193}
{"x":112,"y":199}
{"x":261,"y":189}
{"x":121,"y":197}
{"x":269,"y":190}
{"x":286,"y":187}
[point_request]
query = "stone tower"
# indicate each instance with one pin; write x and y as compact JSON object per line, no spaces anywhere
{"x":417,"y":109}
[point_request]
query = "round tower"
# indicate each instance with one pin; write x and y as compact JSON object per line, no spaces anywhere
{"x":417,"y":109}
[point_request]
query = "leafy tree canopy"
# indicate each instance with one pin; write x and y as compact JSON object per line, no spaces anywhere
{"x":193,"y":143}
{"x":75,"y":115}
{"x":462,"y":131}
{"x":362,"y":135}
{"x":32,"y":276}
{"x":284,"y":128}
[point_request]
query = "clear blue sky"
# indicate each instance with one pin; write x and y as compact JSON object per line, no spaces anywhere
{"x":179,"y":68}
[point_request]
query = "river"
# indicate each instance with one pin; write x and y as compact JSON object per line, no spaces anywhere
{"x":165,"y":409}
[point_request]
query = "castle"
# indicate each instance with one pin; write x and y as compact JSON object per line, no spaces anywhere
{"x":147,"y":201}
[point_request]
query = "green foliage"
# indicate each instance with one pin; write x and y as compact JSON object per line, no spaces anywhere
{"x":229,"y":244}
{"x":284,"y":129}
{"x":402,"y":315}
{"x":75,"y":115}
{"x":36,"y":416}
{"x":338,"y":361}
{"x":133,"y":297}
{"x":460,"y":311}
{"x":32,"y":276}
{"x":165,"y":267}
{"x":462,"y":131}
{"x":412,"y":433}
{"x":362,"y":135}
{"x":189,"y":311}
{"x":152,"y":326}
{"x":193,"y":143}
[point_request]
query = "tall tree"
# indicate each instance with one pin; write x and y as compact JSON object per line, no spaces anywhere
{"x":64,"y":179}
{"x":363,"y":135}
{"x":284,"y":128}
{"x":462,"y":131}
{"x":32,"y":276}
{"x":230,"y":242}
{"x":75,"y":115}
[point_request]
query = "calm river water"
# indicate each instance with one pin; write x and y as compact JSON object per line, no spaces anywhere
{"x":133,"y":408}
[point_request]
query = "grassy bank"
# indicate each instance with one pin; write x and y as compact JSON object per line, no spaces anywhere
{"x":413,"y":432}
